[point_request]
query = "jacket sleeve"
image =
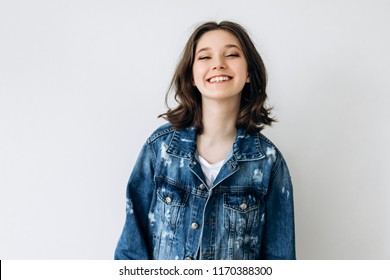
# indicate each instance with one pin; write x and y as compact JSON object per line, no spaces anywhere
{"x":134,"y":242}
{"x":278,"y":240}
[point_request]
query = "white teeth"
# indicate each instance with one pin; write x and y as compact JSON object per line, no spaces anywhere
{"x":219,"y":79}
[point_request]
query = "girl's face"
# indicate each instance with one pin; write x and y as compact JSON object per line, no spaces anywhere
{"x":220,"y":69}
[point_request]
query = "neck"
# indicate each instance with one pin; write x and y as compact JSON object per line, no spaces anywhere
{"x":219,"y":119}
{"x":219,"y":129}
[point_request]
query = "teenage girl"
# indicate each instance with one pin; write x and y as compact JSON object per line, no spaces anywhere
{"x":208,"y":185}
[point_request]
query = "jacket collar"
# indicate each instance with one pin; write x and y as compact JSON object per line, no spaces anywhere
{"x":245,"y":146}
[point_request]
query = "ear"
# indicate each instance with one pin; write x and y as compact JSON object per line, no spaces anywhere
{"x":248,"y":80}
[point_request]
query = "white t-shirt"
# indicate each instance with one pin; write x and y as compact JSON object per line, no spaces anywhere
{"x":210,"y":171}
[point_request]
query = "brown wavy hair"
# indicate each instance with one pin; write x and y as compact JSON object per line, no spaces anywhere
{"x":253,"y":114}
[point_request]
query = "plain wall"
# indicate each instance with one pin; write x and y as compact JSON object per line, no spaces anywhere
{"x":82,"y":83}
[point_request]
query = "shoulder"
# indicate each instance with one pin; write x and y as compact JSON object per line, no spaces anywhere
{"x":268,"y":147}
{"x":163,"y":131}
{"x":273,"y":154}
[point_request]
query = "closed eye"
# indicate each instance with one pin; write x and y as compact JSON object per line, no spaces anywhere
{"x":203,"y":57}
{"x":232,"y":55}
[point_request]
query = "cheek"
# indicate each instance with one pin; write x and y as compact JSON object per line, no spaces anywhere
{"x":198,"y":73}
{"x":195,"y":78}
{"x":244,"y":72}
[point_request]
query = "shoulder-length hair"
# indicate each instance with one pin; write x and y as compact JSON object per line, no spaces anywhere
{"x":253,"y":114}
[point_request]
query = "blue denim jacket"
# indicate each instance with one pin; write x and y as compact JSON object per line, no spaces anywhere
{"x":172,"y":214}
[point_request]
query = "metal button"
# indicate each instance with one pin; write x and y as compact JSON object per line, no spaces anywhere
{"x":188,"y":258}
{"x":243,"y":206}
{"x":202,"y":186}
{"x":194,"y":225}
{"x":168,"y":200}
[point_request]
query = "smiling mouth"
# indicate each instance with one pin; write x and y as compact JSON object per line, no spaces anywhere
{"x":219,"y":79}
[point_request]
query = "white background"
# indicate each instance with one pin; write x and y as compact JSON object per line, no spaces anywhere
{"x":81,"y":84}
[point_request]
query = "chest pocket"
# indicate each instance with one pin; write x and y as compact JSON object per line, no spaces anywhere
{"x":241,"y":202}
{"x":172,"y":200}
{"x":241,"y":211}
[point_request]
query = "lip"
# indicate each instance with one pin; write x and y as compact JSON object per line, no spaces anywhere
{"x":222,"y":76}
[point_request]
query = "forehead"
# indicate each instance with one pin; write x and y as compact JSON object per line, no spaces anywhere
{"x":217,"y":38}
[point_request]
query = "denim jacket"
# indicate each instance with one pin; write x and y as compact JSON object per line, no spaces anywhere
{"x":172,"y":214}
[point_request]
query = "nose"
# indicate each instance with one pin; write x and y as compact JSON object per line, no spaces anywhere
{"x":219,"y":63}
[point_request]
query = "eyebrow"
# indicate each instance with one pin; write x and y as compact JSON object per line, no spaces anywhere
{"x":228,"y":46}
